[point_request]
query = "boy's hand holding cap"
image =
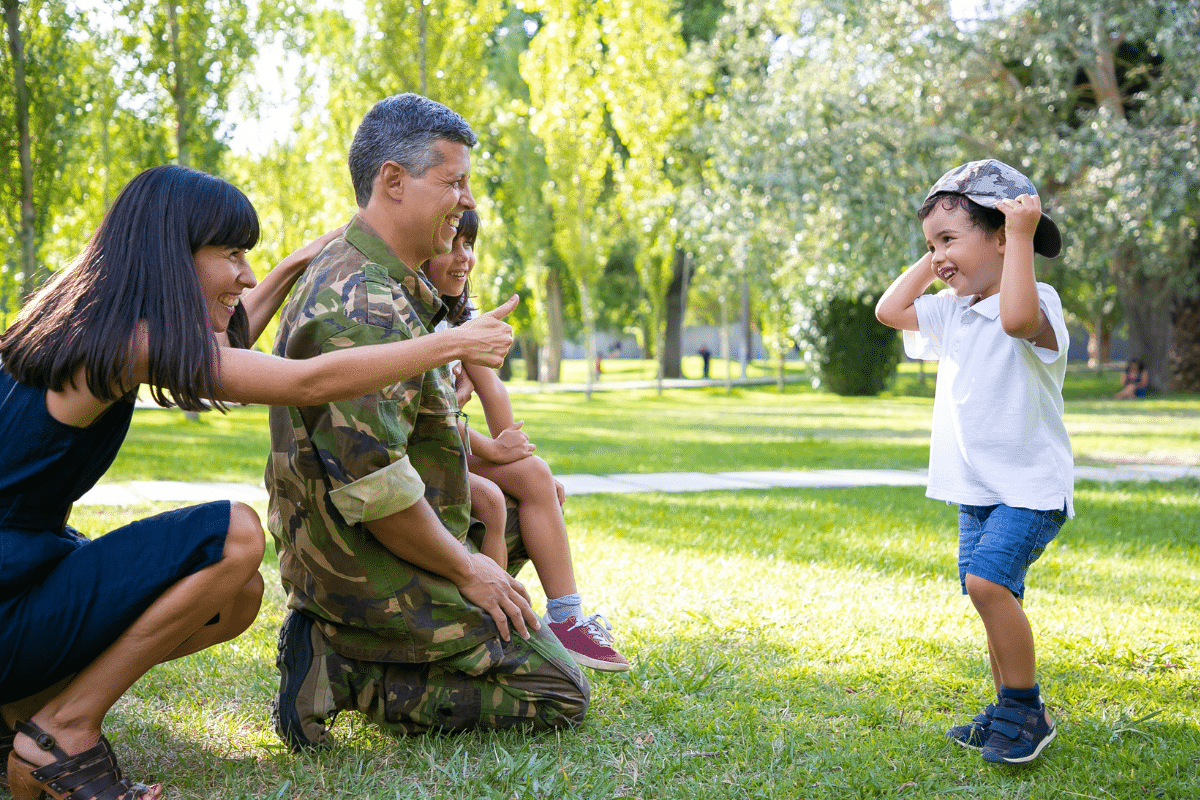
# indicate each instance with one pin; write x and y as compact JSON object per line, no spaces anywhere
{"x":988,"y":183}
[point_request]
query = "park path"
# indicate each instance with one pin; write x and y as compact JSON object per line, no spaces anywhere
{"x":135,"y":492}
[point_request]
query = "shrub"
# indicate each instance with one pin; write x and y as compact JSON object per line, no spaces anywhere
{"x":859,"y":354}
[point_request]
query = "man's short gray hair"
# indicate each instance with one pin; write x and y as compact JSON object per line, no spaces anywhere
{"x":402,"y":128}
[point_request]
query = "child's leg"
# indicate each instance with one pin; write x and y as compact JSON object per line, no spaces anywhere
{"x":544,"y":534}
{"x":997,"y":544}
{"x":1009,"y":635}
{"x":487,"y":506}
{"x":542,"y":527}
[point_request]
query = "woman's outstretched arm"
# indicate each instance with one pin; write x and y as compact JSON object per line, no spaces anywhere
{"x":248,"y":376}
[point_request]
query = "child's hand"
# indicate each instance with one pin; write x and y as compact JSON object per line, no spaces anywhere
{"x":1021,"y":215}
{"x":463,"y":387}
{"x":512,"y":445}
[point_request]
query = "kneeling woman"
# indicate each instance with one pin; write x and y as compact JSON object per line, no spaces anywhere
{"x":157,"y":296}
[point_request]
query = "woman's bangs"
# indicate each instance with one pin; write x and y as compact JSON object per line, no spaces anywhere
{"x":232,"y":222}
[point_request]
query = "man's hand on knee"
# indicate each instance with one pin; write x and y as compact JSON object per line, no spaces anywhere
{"x":500,"y":595}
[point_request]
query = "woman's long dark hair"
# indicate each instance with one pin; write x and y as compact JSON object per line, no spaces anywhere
{"x":459,"y":308}
{"x":138,"y":267}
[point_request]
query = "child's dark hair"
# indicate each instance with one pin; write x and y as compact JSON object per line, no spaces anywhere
{"x":138,"y":269}
{"x":459,"y":308}
{"x":989,"y":219}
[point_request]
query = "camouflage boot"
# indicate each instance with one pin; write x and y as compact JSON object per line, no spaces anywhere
{"x":305,"y":705}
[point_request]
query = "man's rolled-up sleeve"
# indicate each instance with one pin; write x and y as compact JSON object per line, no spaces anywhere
{"x":380,"y":494}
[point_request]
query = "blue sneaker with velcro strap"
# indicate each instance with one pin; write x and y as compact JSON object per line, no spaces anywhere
{"x":974,"y":734}
{"x":1018,"y":734}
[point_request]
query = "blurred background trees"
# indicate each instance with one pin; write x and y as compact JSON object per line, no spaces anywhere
{"x":749,"y":163}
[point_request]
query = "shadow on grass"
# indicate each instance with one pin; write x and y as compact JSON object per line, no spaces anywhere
{"x":820,"y":652}
{"x":899,"y":532}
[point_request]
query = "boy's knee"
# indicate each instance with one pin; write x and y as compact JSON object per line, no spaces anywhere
{"x":981,"y":590}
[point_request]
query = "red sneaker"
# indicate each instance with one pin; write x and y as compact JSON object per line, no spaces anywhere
{"x":589,"y":643}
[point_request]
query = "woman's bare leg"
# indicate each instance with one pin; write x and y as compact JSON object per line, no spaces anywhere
{"x":172,"y":626}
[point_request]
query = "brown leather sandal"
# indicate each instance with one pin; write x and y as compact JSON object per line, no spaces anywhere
{"x":90,"y":775}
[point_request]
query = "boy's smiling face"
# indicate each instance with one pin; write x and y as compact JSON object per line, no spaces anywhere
{"x":964,"y":256}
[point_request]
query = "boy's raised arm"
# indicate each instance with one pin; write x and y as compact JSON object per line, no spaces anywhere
{"x":896,"y":307}
{"x":1020,"y":312}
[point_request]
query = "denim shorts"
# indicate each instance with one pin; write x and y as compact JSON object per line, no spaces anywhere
{"x":998,"y":543}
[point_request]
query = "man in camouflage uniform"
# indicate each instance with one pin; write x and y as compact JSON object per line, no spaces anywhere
{"x":392,"y":609}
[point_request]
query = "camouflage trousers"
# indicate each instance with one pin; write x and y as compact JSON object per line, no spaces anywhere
{"x":520,"y":683}
{"x":498,"y":684}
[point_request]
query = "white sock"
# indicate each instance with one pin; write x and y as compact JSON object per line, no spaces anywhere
{"x":560,"y":609}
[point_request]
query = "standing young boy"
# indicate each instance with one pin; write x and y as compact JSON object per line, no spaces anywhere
{"x":998,"y":448}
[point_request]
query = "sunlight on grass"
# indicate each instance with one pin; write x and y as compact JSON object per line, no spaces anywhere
{"x":791,"y":643}
{"x":706,"y":430}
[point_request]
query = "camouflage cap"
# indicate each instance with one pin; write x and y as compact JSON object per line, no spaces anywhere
{"x":988,"y":182}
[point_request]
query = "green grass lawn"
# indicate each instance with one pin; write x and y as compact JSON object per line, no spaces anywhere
{"x":787,"y":643}
{"x":701,"y":429}
{"x":790,"y":643}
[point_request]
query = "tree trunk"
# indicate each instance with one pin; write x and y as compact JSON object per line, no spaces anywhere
{"x":530,"y":350}
{"x":423,"y":48}
{"x":28,"y":233}
{"x":179,"y":92}
{"x":1185,"y":351}
{"x":747,"y":334}
{"x":725,"y":344}
{"x":671,"y":357}
{"x":1099,"y":347}
{"x":551,"y":363}
{"x":1148,"y":304}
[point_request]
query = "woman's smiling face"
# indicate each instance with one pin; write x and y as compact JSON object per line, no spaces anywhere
{"x":224,"y":274}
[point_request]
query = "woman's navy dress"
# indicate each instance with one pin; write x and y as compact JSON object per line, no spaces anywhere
{"x":64,"y":598}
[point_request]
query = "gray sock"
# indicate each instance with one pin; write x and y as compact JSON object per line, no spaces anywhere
{"x":559,"y":609}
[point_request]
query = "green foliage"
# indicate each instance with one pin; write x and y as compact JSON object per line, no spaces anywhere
{"x":1097,"y":101}
{"x":63,"y":74}
{"x":857,"y":353}
{"x":189,"y":56}
{"x":781,"y":145}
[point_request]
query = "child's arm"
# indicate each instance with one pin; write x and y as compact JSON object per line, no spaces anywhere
{"x":508,"y":443}
{"x":264,"y":300}
{"x":896,"y":307}
{"x":1021,"y":314}
{"x":497,"y":408}
{"x":511,"y":445}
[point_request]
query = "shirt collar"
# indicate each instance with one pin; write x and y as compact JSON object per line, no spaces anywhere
{"x":988,"y":307}
{"x":421,"y":293}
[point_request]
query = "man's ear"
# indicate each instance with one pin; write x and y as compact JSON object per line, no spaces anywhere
{"x":390,"y":180}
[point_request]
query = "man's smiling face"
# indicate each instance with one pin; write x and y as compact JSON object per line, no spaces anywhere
{"x":433,"y":203}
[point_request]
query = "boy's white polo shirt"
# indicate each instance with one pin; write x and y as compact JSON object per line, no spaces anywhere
{"x":998,"y":434}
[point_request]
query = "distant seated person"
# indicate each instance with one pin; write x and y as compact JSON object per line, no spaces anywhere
{"x":1136,"y":382}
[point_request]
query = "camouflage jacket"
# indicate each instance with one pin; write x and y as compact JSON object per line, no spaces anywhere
{"x":334,"y":467}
